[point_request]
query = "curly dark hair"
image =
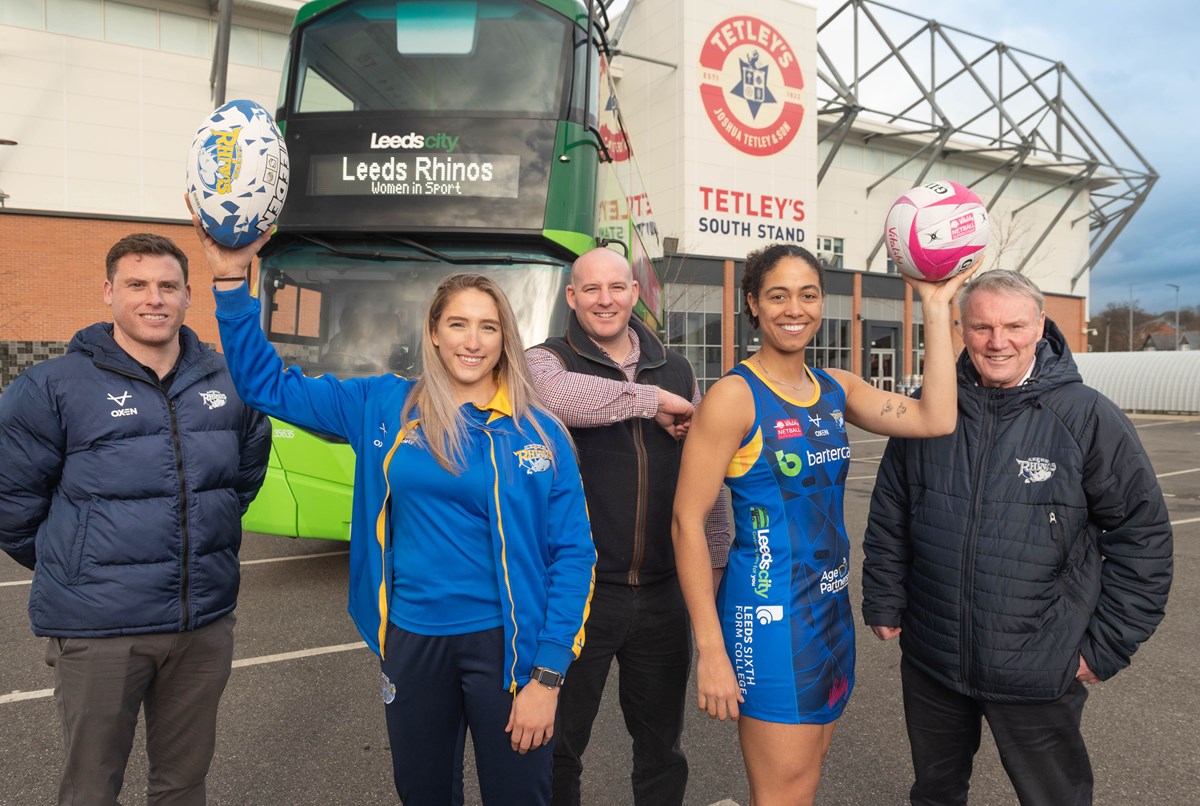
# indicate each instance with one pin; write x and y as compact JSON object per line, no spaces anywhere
{"x":144,"y":243}
{"x":761,"y":261}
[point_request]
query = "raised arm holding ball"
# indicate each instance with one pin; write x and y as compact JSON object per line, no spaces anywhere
{"x":467,"y":491}
{"x":776,"y":644}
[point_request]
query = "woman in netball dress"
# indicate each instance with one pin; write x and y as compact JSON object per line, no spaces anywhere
{"x":776,"y":645}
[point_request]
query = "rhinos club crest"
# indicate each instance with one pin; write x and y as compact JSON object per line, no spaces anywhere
{"x":534,"y":459}
{"x":1035,"y":469}
{"x":751,"y":85}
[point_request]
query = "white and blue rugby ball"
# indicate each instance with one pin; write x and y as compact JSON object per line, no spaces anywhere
{"x":237,"y":173}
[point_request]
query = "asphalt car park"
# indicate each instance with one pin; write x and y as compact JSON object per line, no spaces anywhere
{"x":301,"y":721}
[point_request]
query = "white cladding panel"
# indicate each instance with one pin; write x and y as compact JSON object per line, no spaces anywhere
{"x":727,"y":140}
{"x":103,"y":127}
{"x":1149,"y":381}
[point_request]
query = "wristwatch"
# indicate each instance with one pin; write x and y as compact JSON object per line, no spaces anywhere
{"x":546,"y":677}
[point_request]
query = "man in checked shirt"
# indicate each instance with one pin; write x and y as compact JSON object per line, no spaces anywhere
{"x":628,"y":402}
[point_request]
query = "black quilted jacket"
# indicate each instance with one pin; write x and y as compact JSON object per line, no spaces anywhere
{"x":126,"y":499}
{"x":1035,"y":532}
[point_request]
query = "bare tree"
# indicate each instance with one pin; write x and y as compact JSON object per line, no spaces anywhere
{"x":1006,"y":249}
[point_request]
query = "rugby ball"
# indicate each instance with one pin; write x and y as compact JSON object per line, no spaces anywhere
{"x":936,"y":230}
{"x":237,"y":173}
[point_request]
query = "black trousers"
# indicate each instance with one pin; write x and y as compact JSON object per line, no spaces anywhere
{"x":435,"y":688}
{"x":647,"y":630}
{"x":1040,"y":743}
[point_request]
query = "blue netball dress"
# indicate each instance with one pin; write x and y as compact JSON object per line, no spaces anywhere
{"x":784,"y":600}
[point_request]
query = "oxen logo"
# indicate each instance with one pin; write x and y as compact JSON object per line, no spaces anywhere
{"x":751,"y":85}
{"x":534,"y":458}
{"x":1035,"y":469}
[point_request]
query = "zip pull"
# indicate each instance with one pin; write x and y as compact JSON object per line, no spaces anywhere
{"x":1052,"y":518}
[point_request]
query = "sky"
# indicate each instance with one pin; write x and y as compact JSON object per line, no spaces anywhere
{"x":1138,"y":60}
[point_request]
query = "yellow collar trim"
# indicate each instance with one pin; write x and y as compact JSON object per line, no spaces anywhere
{"x":499,"y":405}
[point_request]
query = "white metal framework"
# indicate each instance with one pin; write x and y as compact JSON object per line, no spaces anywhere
{"x":933,"y":90}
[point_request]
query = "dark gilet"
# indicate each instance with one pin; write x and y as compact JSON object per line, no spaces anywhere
{"x":629,"y":468}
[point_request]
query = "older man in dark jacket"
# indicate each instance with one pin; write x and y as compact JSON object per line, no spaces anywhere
{"x":1018,"y":558}
{"x":125,"y":467}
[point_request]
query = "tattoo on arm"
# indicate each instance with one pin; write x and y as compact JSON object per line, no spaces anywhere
{"x":900,"y":411}
{"x":886,"y":407}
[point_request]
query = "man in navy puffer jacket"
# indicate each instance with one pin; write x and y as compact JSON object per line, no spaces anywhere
{"x":1018,"y":558}
{"x":125,"y":467}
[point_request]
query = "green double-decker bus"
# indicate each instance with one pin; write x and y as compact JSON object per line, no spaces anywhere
{"x":424,"y":139}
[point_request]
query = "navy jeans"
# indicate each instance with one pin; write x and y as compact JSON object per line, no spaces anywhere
{"x":647,"y":630}
{"x":1040,"y":744}
{"x":445,"y":684}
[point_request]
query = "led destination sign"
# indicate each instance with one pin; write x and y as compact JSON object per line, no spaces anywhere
{"x":409,"y":174}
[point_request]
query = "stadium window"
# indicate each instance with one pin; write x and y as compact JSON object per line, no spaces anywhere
{"x":243,"y":46}
{"x":831,"y":252}
{"x":694,"y":328}
{"x":23,"y":13}
{"x":274,"y":49}
{"x":830,"y":347}
{"x":131,"y":25}
{"x":74,"y":18}
{"x":187,"y":36}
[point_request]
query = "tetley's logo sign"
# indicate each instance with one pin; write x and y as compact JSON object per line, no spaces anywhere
{"x":751,"y":85}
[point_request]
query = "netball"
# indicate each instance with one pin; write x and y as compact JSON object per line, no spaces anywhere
{"x":936,"y":230}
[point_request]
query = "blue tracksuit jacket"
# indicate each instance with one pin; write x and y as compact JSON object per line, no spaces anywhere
{"x":541,"y":539}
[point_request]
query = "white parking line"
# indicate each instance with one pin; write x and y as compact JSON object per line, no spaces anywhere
{"x":1177,"y":472}
{"x":1189,"y":520}
{"x":301,"y":557}
{"x":244,"y":562}
{"x":302,"y":653}
{"x":19,"y":696}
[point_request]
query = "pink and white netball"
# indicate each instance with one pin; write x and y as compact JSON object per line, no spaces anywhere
{"x":936,"y":230}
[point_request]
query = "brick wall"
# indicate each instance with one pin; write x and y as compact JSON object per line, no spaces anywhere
{"x":52,"y":273}
{"x":52,"y":276}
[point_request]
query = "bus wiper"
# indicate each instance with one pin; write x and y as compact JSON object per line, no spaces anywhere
{"x":471,"y":260}
{"x":359,"y":254}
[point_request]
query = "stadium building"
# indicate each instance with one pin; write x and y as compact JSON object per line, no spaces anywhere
{"x":751,"y":124}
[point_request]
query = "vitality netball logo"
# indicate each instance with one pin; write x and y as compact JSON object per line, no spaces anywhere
{"x":751,"y":86}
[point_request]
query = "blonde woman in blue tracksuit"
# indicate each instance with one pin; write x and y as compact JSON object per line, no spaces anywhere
{"x":471,"y":559}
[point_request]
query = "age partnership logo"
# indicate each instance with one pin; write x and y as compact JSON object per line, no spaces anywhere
{"x":751,"y":86}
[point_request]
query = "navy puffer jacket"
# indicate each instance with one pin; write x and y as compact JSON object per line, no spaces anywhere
{"x":1035,"y":532}
{"x":125,"y":500}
